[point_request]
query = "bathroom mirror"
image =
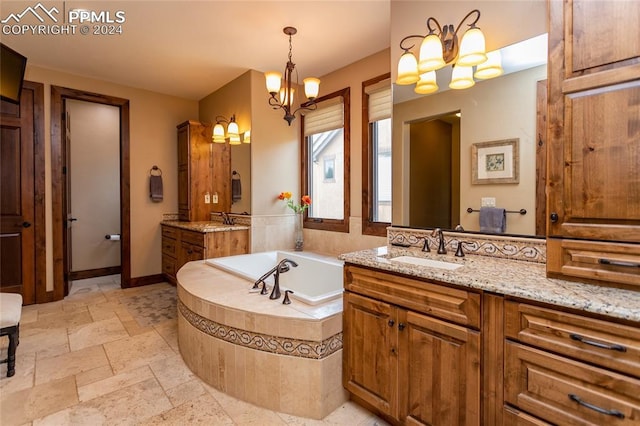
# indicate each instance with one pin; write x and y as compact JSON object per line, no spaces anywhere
{"x":494,"y":110}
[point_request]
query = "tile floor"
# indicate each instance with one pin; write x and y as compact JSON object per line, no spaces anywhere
{"x":104,"y":355}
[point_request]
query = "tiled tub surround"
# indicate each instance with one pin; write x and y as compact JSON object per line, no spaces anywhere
{"x":516,"y":278}
{"x":287,"y":358}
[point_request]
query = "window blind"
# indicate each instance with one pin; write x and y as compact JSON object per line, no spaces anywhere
{"x":328,"y":116}
{"x":380,"y":103}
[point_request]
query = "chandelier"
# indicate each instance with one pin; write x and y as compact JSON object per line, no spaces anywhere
{"x":282,"y":91}
{"x":441,"y":47}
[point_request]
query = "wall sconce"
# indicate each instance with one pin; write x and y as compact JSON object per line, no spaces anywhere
{"x":232,"y":134}
{"x":441,"y":47}
{"x":282,"y":88}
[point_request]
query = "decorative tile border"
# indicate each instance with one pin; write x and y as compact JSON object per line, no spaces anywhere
{"x":263,"y":342}
{"x":169,"y":216}
{"x":238,"y":219}
{"x":515,"y":248}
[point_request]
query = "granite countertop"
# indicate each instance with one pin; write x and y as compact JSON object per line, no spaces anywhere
{"x":203,"y":226}
{"x":521,"y":279}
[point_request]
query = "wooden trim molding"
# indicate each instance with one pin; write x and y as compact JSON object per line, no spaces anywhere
{"x":93,"y":273}
{"x":147,"y":280}
{"x":369,"y":227}
{"x":58,"y":183}
{"x":336,"y":225}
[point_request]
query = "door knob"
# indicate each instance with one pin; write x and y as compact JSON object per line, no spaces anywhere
{"x":554,"y":217}
{"x":401,"y":326}
{"x":26,"y":224}
{"x":72,"y":219}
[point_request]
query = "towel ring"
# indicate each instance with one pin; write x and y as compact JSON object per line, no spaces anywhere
{"x":155,"y":169}
{"x":234,"y":173}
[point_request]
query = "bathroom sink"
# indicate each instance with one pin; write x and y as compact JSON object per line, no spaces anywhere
{"x":430,"y":263}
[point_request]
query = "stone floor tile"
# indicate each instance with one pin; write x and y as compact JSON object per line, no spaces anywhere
{"x":202,"y":411}
{"x":136,"y":351}
{"x":169,"y":332}
{"x":244,"y":413}
{"x":28,"y":316}
{"x":186,"y":392}
{"x":45,"y":344}
{"x":96,"y":333}
{"x":93,"y":375}
{"x":127,"y":406}
{"x":349,"y":413}
{"x":28,"y":404}
{"x":114,"y":383}
{"x":25,"y":372}
{"x":56,"y":319}
{"x":70,"y":364}
{"x":171,"y":371}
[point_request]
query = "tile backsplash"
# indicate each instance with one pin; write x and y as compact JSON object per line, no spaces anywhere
{"x":502,"y":246}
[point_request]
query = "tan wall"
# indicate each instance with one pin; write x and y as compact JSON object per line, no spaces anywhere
{"x":497,"y":109}
{"x":153,"y":120}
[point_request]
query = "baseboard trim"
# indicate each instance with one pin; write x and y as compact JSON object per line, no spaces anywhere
{"x":147,"y":280}
{"x":93,"y":273}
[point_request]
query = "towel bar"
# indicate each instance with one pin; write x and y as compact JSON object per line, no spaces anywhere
{"x":521,"y":211}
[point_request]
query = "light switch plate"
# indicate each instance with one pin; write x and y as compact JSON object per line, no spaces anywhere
{"x":207,"y":198}
{"x":215,"y":198}
{"x":488,"y":202}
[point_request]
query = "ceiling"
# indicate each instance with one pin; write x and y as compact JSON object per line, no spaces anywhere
{"x":190,"y":49}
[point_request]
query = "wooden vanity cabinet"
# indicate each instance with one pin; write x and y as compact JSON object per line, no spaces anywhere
{"x":594,"y":134}
{"x":570,"y":369}
{"x":180,"y":246}
{"x":411,"y":348}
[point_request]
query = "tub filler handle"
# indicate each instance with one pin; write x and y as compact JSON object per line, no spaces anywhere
{"x":286,"y":300}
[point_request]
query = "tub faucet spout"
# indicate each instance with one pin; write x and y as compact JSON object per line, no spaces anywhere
{"x":283,"y":266}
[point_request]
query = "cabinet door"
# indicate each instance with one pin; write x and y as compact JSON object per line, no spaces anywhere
{"x":189,"y":252}
{"x":184,"y":194}
{"x":370,"y":351}
{"x":594,"y":110}
{"x":438,"y":372}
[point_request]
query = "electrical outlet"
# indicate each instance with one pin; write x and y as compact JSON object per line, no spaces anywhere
{"x":488,"y":202}
{"x":215,"y":198}
{"x":207,"y":198}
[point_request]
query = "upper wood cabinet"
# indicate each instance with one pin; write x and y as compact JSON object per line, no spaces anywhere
{"x":203,"y":167}
{"x":594,"y":141}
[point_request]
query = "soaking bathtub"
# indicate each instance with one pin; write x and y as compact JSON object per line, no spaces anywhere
{"x":316,"y":280}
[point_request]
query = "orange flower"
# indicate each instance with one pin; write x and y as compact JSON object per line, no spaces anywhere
{"x":306,"y":200}
{"x":284,"y":196}
{"x":298,"y":208}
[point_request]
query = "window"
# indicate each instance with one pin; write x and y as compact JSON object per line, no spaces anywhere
{"x":325,"y":166}
{"x":376,"y":155}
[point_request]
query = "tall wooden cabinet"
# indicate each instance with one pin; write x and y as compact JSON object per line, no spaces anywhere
{"x":594,"y":141}
{"x":203,"y":168}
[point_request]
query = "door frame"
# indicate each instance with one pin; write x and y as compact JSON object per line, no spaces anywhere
{"x":59,"y":185}
{"x":39,"y":223}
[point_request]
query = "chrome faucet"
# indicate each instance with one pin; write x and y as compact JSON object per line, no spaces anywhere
{"x":283,"y":266}
{"x":441,"y":248}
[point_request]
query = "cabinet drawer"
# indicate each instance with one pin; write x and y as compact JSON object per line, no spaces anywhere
{"x":564,"y":391}
{"x":451,"y":304}
{"x":513,"y":417}
{"x":168,"y":247}
{"x":169,"y":232}
{"x":169,"y":265}
{"x":598,"y":261}
{"x":607,"y":344}
{"x":191,"y":252}
{"x":192,"y":237}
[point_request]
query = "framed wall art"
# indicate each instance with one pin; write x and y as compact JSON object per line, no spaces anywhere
{"x":495,"y":162}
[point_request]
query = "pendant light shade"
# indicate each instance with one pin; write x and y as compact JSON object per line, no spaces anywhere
{"x":472,"y":48}
{"x":430,"y":54}
{"x":311,"y":87}
{"x":461,"y":77}
{"x":407,"y":69}
{"x":491,"y":68}
{"x":427,"y":83}
{"x":273,"y":80}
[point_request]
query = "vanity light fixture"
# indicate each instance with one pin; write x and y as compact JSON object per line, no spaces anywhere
{"x":232,"y":134}
{"x":441,"y":47}
{"x":281,"y":90}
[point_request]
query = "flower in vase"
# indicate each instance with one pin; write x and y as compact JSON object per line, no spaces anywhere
{"x":305,"y":202}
